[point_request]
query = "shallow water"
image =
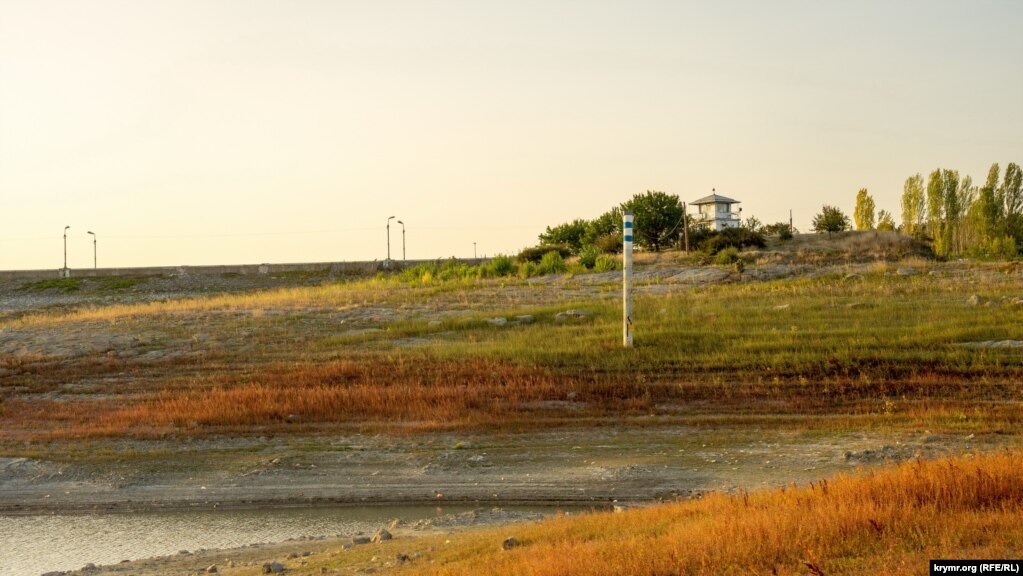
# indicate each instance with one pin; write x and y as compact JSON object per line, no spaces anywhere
{"x":32,"y":545}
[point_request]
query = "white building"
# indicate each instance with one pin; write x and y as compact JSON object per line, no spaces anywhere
{"x":716,"y":212}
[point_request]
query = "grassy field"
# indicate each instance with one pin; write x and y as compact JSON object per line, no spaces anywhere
{"x":879,"y":349}
{"x":822,"y":353}
{"x":888,"y":522}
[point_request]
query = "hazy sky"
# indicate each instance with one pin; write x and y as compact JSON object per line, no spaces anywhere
{"x":216,"y":131}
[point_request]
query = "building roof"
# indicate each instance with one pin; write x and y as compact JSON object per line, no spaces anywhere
{"x":714,"y":199}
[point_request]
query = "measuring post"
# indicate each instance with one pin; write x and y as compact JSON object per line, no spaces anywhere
{"x":627,"y":279}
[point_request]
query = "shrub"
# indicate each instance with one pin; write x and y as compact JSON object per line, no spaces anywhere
{"x":500,"y":265}
{"x":527,"y":270}
{"x":552,"y":263}
{"x":738,"y":238}
{"x":727,"y":256}
{"x":588,"y":256}
{"x":609,"y":243}
{"x":536,"y":253}
{"x":785,"y":234}
{"x":605,"y":263}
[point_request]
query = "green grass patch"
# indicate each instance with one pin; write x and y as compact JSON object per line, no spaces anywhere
{"x":53,"y":284}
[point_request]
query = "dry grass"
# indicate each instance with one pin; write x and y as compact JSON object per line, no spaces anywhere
{"x":887,"y":522}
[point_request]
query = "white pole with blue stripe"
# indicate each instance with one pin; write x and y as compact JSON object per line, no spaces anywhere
{"x":627,"y":279}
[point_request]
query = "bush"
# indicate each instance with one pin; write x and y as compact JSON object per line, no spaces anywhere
{"x":588,"y":256}
{"x":785,"y":234}
{"x":552,"y":263}
{"x":527,"y":270}
{"x":605,"y":263}
{"x":536,"y":253}
{"x":500,"y":265}
{"x":738,"y":238}
{"x":609,"y":243}
{"x":727,"y":256}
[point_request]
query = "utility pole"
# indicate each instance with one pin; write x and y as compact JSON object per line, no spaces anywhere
{"x":402,"y":240}
{"x":389,"y":240}
{"x":627,"y":279}
{"x":685,"y":225}
{"x":93,"y":249}
{"x":790,"y":220}
{"x":473,"y":250}
{"x":65,"y":273}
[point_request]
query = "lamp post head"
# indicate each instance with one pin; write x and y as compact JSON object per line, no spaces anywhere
{"x":66,"y":227}
{"x":400,"y":222}
{"x":90,"y":232}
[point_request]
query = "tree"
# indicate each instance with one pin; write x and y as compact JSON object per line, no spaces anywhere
{"x":863,"y":214}
{"x":912,"y":204}
{"x":885,"y":221}
{"x":1012,"y":191}
{"x":988,"y":213}
{"x":658,"y":219}
{"x":830,"y":220}
{"x":753,"y":224}
{"x":950,"y":194}
{"x":605,"y":231}
{"x":936,"y":210}
{"x":569,"y":234}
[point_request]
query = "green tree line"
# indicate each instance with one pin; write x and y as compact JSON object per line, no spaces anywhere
{"x":956,"y":216}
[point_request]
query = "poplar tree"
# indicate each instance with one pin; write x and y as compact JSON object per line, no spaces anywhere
{"x":912,"y":204}
{"x":863,"y":214}
{"x":935,"y":210}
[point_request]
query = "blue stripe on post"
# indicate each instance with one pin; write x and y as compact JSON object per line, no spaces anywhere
{"x":628,"y":224}
{"x":628,"y":238}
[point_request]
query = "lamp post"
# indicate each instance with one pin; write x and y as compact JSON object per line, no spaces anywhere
{"x":402,"y":240}
{"x":65,"y":251}
{"x":93,"y":249}
{"x":389,"y":238}
{"x":473,"y":250}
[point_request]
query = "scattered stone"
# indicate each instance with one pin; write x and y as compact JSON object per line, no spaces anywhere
{"x":360,"y":540}
{"x":184,"y":552}
{"x":55,"y":573}
{"x":994,"y":344}
{"x":434,"y":323}
{"x":381,"y":535}
{"x":525,"y":319}
{"x":907,"y":272}
{"x":88,"y":567}
{"x":856,"y":305}
{"x":853,"y":276}
{"x":569,"y":315}
{"x":509,"y":543}
{"x":402,"y":558}
{"x":273,"y":568}
{"x":619,"y":508}
{"x":782,"y":307}
{"x":395,"y":523}
{"x":212,"y":569}
{"x":306,"y":554}
{"x":977,"y":300}
{"x":497,"y":321}
{"x":292,"y":555}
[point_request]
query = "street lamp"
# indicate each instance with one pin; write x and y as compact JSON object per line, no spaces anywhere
{"x":65,"y":250}
{"x":93,"y":249}
{"x":473,"y":250}
{"x":402,"y":240}
{"x":389,"y":238}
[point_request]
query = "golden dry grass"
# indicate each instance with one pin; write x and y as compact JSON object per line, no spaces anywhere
{"x":886,"y":522}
